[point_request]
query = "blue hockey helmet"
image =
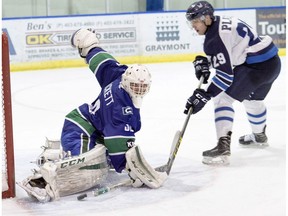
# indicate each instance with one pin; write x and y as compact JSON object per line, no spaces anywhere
{"x":198,"y":9}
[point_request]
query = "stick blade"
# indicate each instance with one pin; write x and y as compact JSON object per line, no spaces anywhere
{"x":167,"y":167}
{"x":162,"y":168}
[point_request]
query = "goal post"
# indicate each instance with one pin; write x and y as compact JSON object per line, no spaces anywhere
{"x":8,"y":170}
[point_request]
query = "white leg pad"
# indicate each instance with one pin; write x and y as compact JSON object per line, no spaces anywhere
{"x":52,"y":152}
{"x":137,"y":164}
{"x":68,"y":176}
{"x":79,"y":173}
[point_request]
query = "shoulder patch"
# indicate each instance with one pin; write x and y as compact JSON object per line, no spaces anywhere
{"x":127,"y":110}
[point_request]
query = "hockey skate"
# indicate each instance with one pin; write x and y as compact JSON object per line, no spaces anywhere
{"x":255,"y":140}
{"x":220,"y":154}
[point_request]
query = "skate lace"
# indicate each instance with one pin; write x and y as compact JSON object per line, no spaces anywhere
{"x":224,"y":142}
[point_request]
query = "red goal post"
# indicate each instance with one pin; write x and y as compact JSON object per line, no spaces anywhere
{"x":8,"y":170}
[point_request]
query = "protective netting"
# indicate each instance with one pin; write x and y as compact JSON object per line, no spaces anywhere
{"x":3,"y":143}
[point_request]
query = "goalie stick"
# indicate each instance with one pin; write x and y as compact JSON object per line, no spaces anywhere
{"x":105,"y":189}
{"x":177,"y":141}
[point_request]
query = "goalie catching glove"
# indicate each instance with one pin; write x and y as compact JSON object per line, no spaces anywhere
{"x":201,"y":66}
{"x":141,"y":172}
{"x":84,"y":40}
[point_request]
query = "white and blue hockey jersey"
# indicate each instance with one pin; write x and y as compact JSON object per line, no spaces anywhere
{"x":230,"y":42}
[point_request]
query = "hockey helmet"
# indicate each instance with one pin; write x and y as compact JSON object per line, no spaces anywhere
{"x":198,"y":9}
{"x":136,"y":81}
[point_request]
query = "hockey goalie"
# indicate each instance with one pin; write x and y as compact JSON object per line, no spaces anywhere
{"x":97,"y":136}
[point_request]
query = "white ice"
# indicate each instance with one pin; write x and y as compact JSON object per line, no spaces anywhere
{"x":253,"y":184}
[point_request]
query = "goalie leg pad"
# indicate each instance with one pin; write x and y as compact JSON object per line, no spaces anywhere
{"x":68,"y":176}
{"x":52,"y":151}
{"x":138,"y":166}
{"x":79,"y":173}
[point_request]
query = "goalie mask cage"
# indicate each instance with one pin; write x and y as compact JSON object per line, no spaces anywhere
{"x":8,"y":173}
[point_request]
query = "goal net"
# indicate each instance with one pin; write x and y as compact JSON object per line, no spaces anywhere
{"x":6,"y":135}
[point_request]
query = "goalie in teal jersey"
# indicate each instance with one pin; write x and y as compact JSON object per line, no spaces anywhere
{"x":96,"y":133}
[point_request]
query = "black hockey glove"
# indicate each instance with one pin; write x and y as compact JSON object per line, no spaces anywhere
{"x":197,"y":101}
{"x":201,"y":66}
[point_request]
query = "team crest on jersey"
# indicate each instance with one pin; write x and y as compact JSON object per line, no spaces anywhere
{"x":127,"y":110}
{"x":130,"y":143}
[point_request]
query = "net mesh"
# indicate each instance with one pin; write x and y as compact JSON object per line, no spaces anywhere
{"x":3,"y":143}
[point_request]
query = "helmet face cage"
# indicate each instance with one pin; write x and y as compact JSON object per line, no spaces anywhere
{"x":136,"y":81}
{"x":198,"y":9}
{"x":139,"y":88}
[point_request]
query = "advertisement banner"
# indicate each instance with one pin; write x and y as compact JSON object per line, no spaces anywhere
{"x":272,"y":22}
{"x":169,"y":33}
{"x":44,"y":39}
{"x":137,"y":37}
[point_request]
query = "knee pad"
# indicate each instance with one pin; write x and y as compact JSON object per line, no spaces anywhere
{"x":223,"y":99}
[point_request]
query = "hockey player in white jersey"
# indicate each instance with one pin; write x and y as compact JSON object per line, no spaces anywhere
{"x":97,"y":134}
{"x":246,"y":67}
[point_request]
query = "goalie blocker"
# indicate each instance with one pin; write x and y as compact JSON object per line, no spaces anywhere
{"x":61,"y":176}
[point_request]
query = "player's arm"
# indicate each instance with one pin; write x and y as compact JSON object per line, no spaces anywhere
{"x":117,"y":147}
{"x":219,"y":58}
{"x":101,"y":63}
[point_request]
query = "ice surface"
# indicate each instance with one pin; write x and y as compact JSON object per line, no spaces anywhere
{"x":253,"y":184}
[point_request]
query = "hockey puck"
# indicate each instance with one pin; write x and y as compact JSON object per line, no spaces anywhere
{"x":82,"y":196}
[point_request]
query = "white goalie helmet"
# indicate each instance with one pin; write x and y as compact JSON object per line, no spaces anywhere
{"x":136,"y":81}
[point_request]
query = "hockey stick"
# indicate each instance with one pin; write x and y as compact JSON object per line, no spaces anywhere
{"x":105,"y":189}
{"x":177,"y":141}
